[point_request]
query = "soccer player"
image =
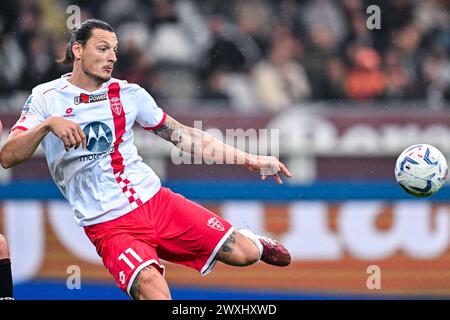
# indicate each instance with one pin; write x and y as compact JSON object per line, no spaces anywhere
{"x":84,"y":121}
{"x":6,"y":285}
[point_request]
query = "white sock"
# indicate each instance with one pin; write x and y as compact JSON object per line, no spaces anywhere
{"x":254,"y":238}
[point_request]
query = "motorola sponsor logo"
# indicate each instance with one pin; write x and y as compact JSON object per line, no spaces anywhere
{"x":99,"y":139}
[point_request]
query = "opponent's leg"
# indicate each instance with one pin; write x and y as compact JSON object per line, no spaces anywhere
{"x":243,"y":248}
{"x":150,"y":285}
{"x":6,"y":285}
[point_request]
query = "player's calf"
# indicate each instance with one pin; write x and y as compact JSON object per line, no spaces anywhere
{"x":150,"y":285}
{"x":238,"y":250}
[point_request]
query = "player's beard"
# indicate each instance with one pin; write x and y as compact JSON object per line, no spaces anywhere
{"x":95,"y":77}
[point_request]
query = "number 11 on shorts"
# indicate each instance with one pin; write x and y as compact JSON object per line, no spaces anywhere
{"x":127,"y":261}
{"x":123,"y":257}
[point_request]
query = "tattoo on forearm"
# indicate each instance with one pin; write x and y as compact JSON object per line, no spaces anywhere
{"x":227,"y":246}
{"x":170,"y":131}
{"x":185,"y":138}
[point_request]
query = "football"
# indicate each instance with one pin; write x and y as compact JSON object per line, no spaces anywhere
{"x":421,"y":170}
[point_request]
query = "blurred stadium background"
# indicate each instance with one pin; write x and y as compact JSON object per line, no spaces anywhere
{"x":346,"y":101}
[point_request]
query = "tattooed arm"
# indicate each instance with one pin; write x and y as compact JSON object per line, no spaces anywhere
{"x":199,"y":143}
{"x":203,"y":144}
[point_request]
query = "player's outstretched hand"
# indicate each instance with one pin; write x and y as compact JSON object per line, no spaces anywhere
{"x":68,"y":131}
{"x":268,"y":166}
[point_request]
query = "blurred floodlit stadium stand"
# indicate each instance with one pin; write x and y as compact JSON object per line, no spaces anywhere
{"x":345,"y":99}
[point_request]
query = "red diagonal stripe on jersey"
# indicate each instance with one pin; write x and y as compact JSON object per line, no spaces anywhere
{"x":119,"y":128}
{"x":119,"y":120}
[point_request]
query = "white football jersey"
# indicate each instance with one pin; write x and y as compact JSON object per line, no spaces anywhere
{"x":107,"y":179}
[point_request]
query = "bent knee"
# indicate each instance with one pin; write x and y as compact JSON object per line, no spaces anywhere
{"x":4,"y":251}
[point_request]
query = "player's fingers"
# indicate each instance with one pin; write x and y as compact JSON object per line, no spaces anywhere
{"x":277,"y":178}
{"x":65,"y":140}
{"x":77,"y":139}
{"x":285,"y":170}
{"x":72,"y":140}
{"x":263,"y":177}
{"x":66,"y":145}
{"x":83,"y":136}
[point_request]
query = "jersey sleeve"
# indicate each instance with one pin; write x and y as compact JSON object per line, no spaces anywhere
{"x":33,"y":112}
{"x":149,"y":115}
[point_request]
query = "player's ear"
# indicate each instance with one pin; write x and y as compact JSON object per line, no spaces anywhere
{"x":77,"y":49}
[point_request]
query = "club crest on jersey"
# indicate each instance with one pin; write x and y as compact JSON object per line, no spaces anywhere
{"x":89,"y":98}
{"x":116,"y":105}
{"x":214,"y":223}
{"x":98,"y":136}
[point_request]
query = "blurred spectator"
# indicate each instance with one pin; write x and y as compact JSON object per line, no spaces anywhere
{"x":239,"y":88}
{"x":13,"y":63}
{"x":224,"y":53}
{"x":407,"y":41}
{"x":133,"y":64}
{"x":431,"y":14}
{"x":119,"y":11}
{"x":396,"y":14}
{"x":334,"y":86}
{"x":9,"y":12}
{"x":170,"y":42}
{"x":195,"y":24}
{"x":40,"y":66}
{"x":163,"y":13}
{"x":399,"y":82}
{"x":280,"y":81}
{"x":178,"y":31}
{"x":215,"y":89}
{"x":359,"y":35}
{"x":365,"y":80}
{"x":252,"y":54}
{"x":255,"y":27}
{"x":327,"y":14}
{"x":320,"y":47}
{"x":94,"y":7}
{"x":28,"y":22}
{"x":436,"y":70}
{"x":134,"y":61}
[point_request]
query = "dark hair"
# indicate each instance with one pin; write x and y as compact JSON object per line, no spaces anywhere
{"x":82,"y":34}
